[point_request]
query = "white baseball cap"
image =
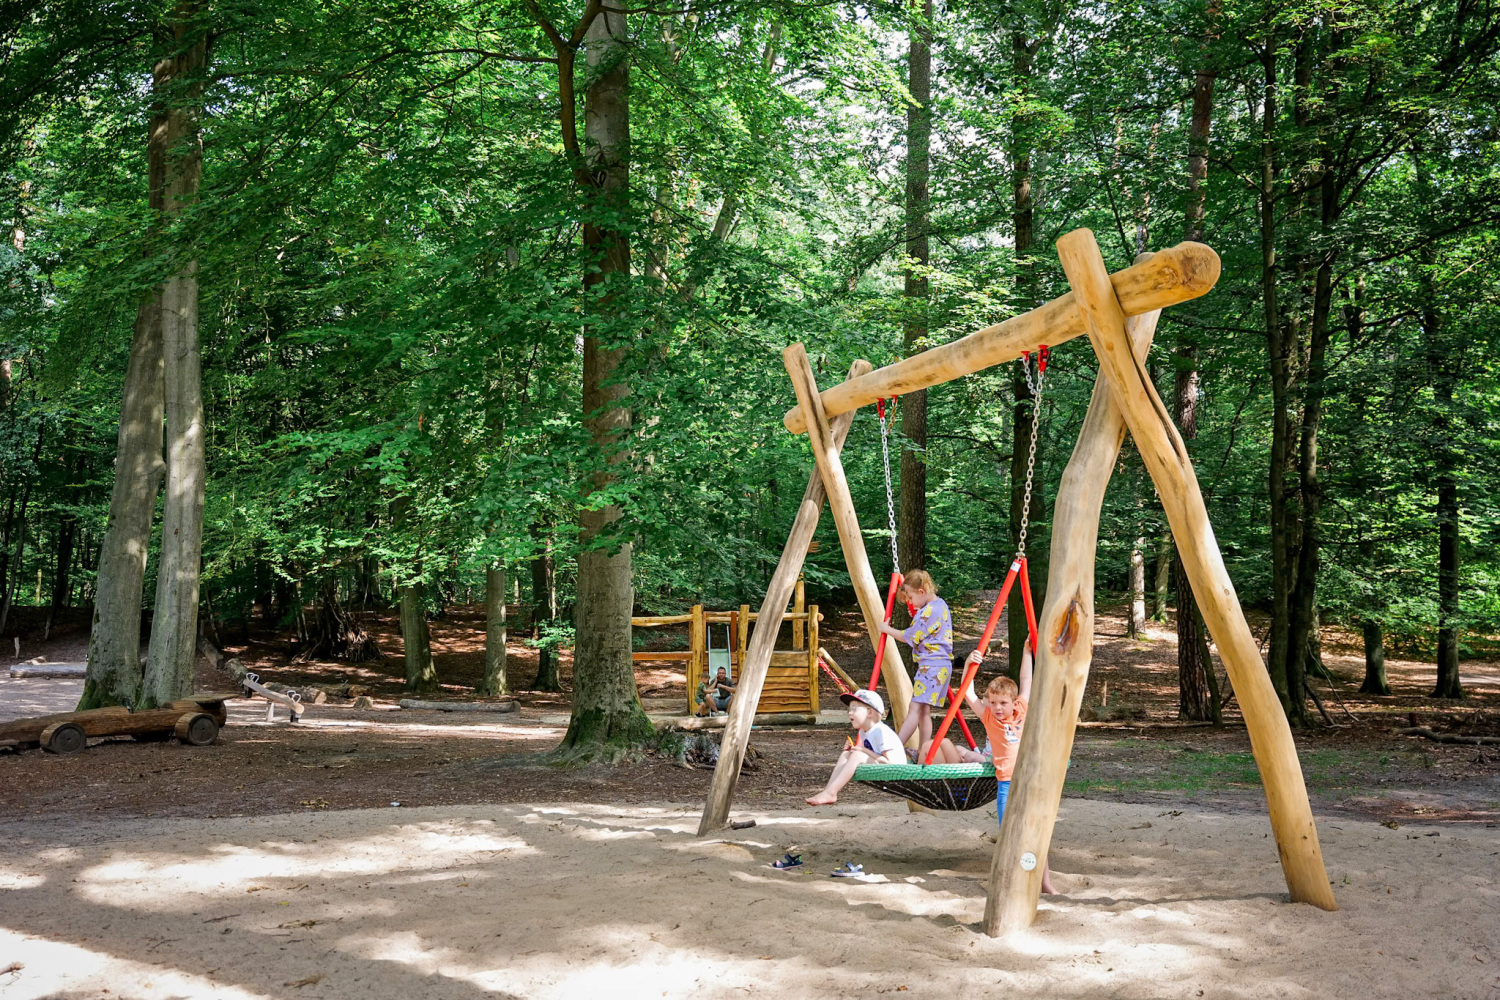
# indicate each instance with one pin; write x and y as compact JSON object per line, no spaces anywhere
{"x":866,"y":697}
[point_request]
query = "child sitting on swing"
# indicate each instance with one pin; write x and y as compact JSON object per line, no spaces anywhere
{"x":931,"y":639}
{"x":876,"y":743}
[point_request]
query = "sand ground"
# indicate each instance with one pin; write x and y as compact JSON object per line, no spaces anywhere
{"x":554,"y":901}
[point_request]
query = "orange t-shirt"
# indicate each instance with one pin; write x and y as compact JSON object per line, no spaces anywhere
{"x":1005,"y":737}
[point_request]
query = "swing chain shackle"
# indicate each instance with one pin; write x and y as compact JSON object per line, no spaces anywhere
{"x":890,"y":493}
{"x":1035,"y":387}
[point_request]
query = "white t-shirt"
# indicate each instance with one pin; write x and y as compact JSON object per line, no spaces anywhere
{"x":882,"y":739}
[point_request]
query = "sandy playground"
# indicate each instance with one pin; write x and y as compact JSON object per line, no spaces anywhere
{"x":560,"y":901}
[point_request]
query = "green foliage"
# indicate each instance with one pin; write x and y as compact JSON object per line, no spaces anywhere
{"x":388,"y":249}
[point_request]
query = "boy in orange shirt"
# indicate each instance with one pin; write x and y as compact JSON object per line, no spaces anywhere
{"x":1003,"y":712}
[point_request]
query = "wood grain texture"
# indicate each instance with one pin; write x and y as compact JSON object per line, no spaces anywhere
{"x":846,"y":519}
{"x":1166,"y":458}
{"x":758,"y":655}
{"x":1183,"y":272}
{"x":1064,"y":656}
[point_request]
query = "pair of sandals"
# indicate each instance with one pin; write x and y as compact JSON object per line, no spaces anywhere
{"x":790,"y":861}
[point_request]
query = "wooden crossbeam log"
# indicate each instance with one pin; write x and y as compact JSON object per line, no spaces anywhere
{"x":1183,"y":272}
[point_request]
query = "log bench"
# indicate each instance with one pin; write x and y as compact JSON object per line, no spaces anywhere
{"x":195,"y":721}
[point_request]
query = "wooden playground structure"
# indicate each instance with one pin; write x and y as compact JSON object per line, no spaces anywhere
{"x":1118,"y":313}
{"x":789,"y":683}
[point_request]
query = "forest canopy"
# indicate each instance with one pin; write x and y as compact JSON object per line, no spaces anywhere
{"x":439,"y":289}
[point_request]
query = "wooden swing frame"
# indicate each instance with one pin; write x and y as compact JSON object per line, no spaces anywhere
{"x":1118,"y":314}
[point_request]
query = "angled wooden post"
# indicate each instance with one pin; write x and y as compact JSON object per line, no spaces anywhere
{"x":1065,"y":652}
{"x":841,"y":504}
{"x":752,"y":679}
{"x":1166,"y":458}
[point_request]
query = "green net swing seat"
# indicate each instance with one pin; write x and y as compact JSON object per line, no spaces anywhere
{"x":948,"y":787}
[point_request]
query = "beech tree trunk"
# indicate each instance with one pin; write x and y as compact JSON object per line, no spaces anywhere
{"x":174,"y":623}
{"x":1162,"y":584}
{"x":607,"y":714}
{"x":1375,"y":680}
{"x":114,"y":666}
{"x":494,"y":683}
{"x":421,"y":675}
{"x":912,"y":533}
{"x":1136,"y":624}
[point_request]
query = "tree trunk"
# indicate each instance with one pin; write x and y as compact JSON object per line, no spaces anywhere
{"x":1194,"y":701}
{"x":62,"y":577}
{"x":544,"y":611}
{"x":607,"y":714}
{"x":114,"y":665}
{"x":13,"y":580}
{"x":1136,"y":624}
{"x":421,"y":675}
{"x":1283,"y":674}
{"x":1443,"y":366}
{"x":1162,"y":582}
{"x":913,"y":515}
{"x":1023,"y":220}
{"x":494,"y":682}
{"x":174,"y":623}
{"x":1375,"y":681}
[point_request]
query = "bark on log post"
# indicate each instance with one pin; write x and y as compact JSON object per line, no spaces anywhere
{"x":752,"y":677}
{"x":851,"y":539}
{"x":1183,"y":272}
{"x":1171,"y":470}
{"x":1063,"y":658}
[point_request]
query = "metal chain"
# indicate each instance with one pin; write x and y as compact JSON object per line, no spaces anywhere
{"x":890,"y":494}
{"x":1036,"y":419}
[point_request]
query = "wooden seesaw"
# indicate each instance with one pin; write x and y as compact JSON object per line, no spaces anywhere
{"x":1118,"y":313}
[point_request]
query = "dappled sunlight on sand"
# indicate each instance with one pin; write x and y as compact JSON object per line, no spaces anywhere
{"x":569,"y":901}
{"x":233,"y":866}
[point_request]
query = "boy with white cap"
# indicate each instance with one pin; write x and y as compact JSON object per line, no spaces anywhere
{"x":877,"y":743}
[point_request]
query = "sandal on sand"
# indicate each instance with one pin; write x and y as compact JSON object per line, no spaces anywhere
{"x":788,"y":862}
{"x":847,"y":870}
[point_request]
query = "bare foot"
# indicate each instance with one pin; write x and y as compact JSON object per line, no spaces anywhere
{"x":822,"y":799}
{"x":1047,"y":887}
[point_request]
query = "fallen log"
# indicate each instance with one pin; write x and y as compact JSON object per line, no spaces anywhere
{"x":458,"y":706}
{"x":40,"y":670}
{"x":1437,"y":737}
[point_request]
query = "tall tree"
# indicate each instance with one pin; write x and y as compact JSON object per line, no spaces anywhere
{"x":1192,"y":681}
{"x":607,"y":714}
{"x":1024,"y":449}
{"x":494,"y":682}
{"x":913,"y":524}
{"x":174,"y":625}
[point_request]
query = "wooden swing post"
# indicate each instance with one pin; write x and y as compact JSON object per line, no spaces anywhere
{"x":1166,"y":458}
{"x":757,"y":660}
{"x":1065,"y":650}
{"x":826,"y":454}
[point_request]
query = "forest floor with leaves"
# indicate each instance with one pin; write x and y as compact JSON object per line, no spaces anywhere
{"x":341,"y":757}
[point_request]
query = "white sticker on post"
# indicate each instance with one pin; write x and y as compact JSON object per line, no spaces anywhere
{"x":1028,"y":861}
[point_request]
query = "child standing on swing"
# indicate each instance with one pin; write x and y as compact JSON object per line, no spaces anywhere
{"x":931,"y":639}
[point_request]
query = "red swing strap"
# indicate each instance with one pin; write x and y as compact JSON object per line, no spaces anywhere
{"x":1017,"y":569}
{"x":890,"y":506}
{"x":1017,"y":566}
{"x":890,"y":606}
